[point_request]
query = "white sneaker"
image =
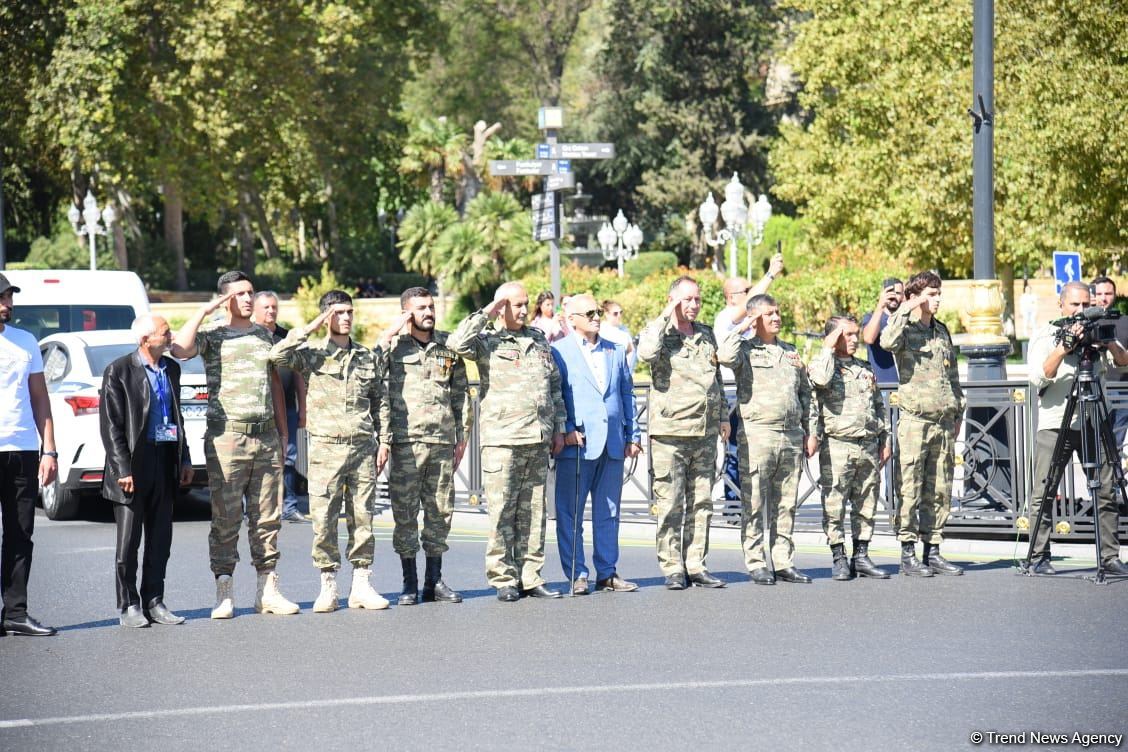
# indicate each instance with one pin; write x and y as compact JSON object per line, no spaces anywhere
{"x":269,"y":599}
{"x":362,"y":594}
{"x":224,"y":601}
{"x":327,"y":598}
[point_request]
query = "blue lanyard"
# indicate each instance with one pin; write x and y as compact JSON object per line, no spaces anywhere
{"x":163,"y":396}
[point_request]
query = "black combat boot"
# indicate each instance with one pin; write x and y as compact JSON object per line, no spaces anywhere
{"x":840,"y":569}
{"x":910,"y":565}
{"x":937,"y":563}
{"x":861,"y":564}
{"x":434,"y":589}
{"x":410,"y":594}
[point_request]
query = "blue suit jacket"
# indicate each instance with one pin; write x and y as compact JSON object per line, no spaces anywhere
{"x":607,"y":416}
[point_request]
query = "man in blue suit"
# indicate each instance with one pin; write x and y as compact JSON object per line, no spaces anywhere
{"x":601,"y":432}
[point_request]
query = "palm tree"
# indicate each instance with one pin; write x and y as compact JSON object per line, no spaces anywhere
{"x":419,"y":234}
{"x":432,"y":153}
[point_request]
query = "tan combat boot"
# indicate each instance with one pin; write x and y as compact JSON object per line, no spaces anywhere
{"x":327,"y":598}
{"x":224,"y":599}
{"x":362,"y":594}
{"x":269,"y":599}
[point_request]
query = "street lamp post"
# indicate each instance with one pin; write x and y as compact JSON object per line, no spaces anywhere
{"x":90,"y":226}
{"x":734,"y":213}
{"x":761,"y":213}
{"x":619,"y":240}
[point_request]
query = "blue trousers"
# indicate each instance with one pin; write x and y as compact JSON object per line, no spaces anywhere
{"x":291,"y":501}
{"x":602,"y":480}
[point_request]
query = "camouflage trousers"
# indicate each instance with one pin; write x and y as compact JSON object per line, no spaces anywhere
{"x":769,"y":482}
{"x":683,"y":471}
{"x":421,"y":475}
{"x":342,"y":476}
{"x":849,"y":473}
{"x":243,"y":467}
{"x":514,"y":479}
{"x":925,"y":460}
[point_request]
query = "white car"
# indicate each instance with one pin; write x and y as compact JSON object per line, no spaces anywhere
{"x":73,"y":364}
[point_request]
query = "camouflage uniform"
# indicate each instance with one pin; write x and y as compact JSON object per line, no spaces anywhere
{"x":521,"y":407}
{"x":851,"y":417}
{"x":424,"y":412}
{"x":342,"y":405}
{"x":774,"y":396}
{"x":686,"y":406}
{"x":241,"y":445}
{"x":931,"y":403}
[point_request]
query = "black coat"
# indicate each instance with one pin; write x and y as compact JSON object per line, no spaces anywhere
{"x":123,"y":412}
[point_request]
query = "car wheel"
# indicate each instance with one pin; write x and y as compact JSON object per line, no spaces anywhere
{"x":59,"y":503}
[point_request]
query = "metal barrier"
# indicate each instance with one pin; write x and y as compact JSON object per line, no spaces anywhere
{"x":993,"y":469}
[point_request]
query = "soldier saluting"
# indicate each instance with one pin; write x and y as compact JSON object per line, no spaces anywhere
{"x":932,"y":405}
{"x":522,"y":414}
{"x":853,"y":445}
{"x":424,"y":419}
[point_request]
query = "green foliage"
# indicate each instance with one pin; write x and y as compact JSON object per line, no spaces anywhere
{"x":884,"y":164}
{"x":277,"y":274}
{"x":313,"y":287}
{"x":65,"y":250}
{"x":647,"y":263}
{"x":397,"y":282}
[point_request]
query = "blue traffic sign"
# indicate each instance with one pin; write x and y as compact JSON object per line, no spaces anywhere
{"x":563,"y":166}
{"x":1067,"y":268}
{"x":544,"y":151}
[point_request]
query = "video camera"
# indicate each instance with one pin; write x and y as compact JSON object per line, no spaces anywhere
{"x":1098,"y":328}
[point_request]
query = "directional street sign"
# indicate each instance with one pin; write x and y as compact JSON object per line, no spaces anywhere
{"x":529,"y":166}
{"x":545,"y":226}
{"x":580,"y":151}
{"x":560,"y":182}
{"x":544,"y":151}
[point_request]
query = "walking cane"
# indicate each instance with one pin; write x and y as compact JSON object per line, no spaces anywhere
{"x":575,"y":512}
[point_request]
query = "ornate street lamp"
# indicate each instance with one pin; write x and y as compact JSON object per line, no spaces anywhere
{"x":733,"y":211}
{"x":90,"y":226}
{"x":761,"y":213}
{"x":619,"y":240}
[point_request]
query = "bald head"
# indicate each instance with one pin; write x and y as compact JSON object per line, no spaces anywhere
{"x":516,"y":310}
{"x":509,"y":289}
{"x":580,"y":304}
{"x":152,"y":334}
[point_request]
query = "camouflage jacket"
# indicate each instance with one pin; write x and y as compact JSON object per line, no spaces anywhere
{"x":772,"y":388}
{"x":425,"y":397}
{"x":848,"y":401}
{"x":926,"y":365}
{"x":342,"y":385}
{"x":238,"y":369}
{"x":686,"y":395}
{"x":521,"y":402}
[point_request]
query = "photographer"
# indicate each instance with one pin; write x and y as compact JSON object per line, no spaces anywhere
{"x":1053,"y":370}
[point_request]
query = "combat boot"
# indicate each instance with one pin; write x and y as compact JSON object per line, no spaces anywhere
{"x":910,"y":565}
{"x":327,"y":598}
{"x":861,"y":564}
{"x":362,"y":594}
{"x":937,"y":563}
{"x":410,"y":594}
{"x":269,"y":599}
{"x":434,"y":589}
{"x":224,"y":598}
{"x":840,"y":569}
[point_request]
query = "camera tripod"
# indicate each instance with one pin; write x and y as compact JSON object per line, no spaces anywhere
{"x":1098,"y":446}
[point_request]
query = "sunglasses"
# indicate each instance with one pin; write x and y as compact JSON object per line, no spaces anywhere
{"x":592,"y":315}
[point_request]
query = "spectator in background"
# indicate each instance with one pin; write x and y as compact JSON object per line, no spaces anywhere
{"x":544,"y":318}
{"x":880,"y":359}
{"x":1028,"y":306}
{"x":615,"y":331}
{"x":294,"y":389}
{"x":1104,"y":295}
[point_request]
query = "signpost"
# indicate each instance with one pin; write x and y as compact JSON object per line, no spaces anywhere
{"x":554,"y":163}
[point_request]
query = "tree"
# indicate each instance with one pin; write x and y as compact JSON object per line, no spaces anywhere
{"x":884,"y":162}
{"x":682,"y":98}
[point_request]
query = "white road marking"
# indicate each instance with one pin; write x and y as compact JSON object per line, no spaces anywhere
{"x":494,"y":694}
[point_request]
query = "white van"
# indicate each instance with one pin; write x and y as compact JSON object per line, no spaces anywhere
{"x":51,"y":301}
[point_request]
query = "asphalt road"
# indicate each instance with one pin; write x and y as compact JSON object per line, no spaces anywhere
{"x":879,"y":665}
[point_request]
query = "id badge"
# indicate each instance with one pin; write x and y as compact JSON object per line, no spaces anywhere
{"x":166,"y":432}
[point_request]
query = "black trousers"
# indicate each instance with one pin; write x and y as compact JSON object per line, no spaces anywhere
{"x":19,"y":485}
{"x":150,"y":512}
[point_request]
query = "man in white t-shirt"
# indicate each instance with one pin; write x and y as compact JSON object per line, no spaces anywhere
{"x":25,"y":415}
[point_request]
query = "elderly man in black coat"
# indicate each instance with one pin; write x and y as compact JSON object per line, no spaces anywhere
{"x":146,"y":454}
